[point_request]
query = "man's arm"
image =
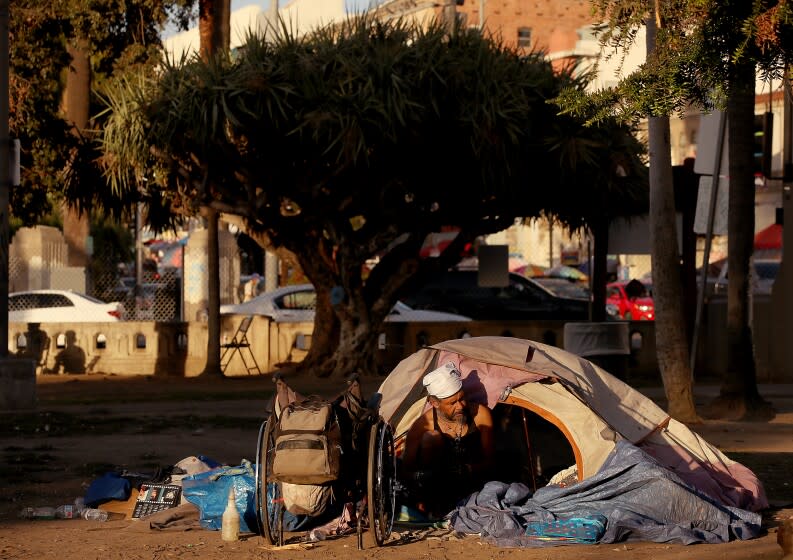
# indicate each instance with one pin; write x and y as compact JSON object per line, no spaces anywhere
{"x":413,"y":443}
{"x":484,"y":423}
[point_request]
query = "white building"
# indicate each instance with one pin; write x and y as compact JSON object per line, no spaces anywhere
{"x":300,"y":16}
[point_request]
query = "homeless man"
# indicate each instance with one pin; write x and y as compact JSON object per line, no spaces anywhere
{"x":449,"y":449}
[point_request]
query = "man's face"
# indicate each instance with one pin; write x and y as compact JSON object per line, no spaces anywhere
{"x":452,"y":408}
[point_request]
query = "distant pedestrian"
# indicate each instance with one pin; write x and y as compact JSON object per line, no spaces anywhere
{"x":251,"y":289}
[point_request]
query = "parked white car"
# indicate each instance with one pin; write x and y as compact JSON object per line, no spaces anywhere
{"x":60,"y":306}
{"x":297,"y":304}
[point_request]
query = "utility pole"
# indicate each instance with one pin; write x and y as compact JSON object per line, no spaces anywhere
{"x":782,"y":291}
{"x":5,"y":177}
{"x":273,"y":15}
{"x":17,"y":376}
{"x":450,"y":15}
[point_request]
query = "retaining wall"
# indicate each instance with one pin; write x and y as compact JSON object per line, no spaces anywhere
{"x":179,"y":349}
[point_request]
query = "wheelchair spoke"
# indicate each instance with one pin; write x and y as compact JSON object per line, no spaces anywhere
{"x":381,"y":482}
{"x":267,"y":489}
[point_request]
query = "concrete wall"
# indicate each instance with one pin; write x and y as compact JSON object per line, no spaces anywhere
{"x":178,"y":349}
{"x":38,"y":259}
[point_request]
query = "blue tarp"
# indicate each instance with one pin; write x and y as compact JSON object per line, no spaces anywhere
{"x":640,"y":500}
{"x":209,"y":491}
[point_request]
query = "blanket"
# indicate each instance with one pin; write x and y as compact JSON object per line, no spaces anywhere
{"x":639,"y":499}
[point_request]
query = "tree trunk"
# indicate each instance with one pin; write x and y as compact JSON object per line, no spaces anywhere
{"x":739,"y":397}
{"x":671,"y":345}
{"x":340,"y":345}
{"x":324,"y":341}
{"x":214,"y":33}
{"x":213,"y":26}
{"x":357,"y":349}
{"x":212,"y":367}
{"x":76,"y":100}
{"x":347,"y":324}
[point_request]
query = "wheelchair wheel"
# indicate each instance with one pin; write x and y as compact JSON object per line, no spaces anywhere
{"x":267,"y":499}
{"x":381,"y":481}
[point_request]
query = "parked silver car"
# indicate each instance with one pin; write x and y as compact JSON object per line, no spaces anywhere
{"x":297,"y":304}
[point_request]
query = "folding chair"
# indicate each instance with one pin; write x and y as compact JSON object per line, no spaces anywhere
{"x":239,"y":345}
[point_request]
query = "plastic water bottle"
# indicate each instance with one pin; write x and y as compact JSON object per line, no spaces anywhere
{"x":67,"y":511}
{"x":38,"y":513}
{"x":92,"y":514}
{"x":230,"y":528}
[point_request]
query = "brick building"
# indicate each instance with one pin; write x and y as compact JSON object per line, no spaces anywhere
{"x":550,"y":25}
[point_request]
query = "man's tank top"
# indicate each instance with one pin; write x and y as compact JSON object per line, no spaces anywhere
{"x":463,"y":449}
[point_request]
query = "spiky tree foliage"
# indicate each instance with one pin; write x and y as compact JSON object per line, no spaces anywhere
{"x":357,"y":141}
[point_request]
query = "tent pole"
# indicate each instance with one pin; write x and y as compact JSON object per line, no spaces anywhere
{"x":528,"y":447}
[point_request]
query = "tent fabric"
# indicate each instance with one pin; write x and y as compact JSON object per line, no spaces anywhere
{"x":591,"y":437}
{"x":640,"y":499}
{"x":593,"y":409}
{"x":709,"y":470}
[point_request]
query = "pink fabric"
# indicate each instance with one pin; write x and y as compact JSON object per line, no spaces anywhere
{"x":485,"y":383}
{"x":733,"y":485}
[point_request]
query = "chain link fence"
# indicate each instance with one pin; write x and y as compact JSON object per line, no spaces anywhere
{"x":158,"y":297}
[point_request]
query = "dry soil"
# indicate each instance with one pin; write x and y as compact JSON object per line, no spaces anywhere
{"x":87,"y":424}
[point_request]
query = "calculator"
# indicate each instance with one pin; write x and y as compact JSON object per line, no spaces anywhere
{"x":154,"y":497}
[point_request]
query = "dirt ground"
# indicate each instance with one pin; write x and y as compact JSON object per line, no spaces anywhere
{"x":87,"y":424}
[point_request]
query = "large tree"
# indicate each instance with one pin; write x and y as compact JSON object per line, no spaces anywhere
{"x":356,"y":141}
{"x":703,"y":57}
{"x":119,"y":37}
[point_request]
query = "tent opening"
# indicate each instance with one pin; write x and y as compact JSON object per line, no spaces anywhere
{"x":528,"y":448}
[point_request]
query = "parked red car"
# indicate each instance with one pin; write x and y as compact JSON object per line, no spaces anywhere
{"x":630,"y":301}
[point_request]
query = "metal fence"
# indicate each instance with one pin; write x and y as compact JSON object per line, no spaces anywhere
{"x":158,"y":297}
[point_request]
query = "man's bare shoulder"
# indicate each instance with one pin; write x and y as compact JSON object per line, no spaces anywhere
{"x":423,"y":422}
{"x":482,"y":415}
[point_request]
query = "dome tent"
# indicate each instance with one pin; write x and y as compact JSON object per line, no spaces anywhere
{"x":592,"y":409}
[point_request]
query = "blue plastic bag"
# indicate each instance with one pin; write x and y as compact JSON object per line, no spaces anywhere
{"x":109,"y":486}
{"x":209,"y":492}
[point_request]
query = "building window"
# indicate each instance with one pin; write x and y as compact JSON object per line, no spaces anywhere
{"x":524,"y":37}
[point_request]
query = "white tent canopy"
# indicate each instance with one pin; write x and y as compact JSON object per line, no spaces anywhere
{"x":590,"y":407}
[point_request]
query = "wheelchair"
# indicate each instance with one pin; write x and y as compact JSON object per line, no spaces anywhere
{"x":367,"y":471}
